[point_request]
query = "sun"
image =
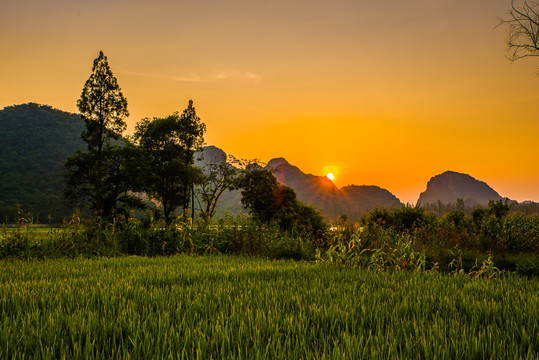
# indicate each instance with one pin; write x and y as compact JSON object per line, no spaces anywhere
{"x":330,"y":176}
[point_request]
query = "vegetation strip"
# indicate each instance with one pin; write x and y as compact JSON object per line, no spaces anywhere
{"x":240,"y":307}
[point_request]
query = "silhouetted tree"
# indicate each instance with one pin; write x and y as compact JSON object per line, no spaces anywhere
{"x":167,"y":149}
{"x":269,"y":201}
{"x":103,"y":108}
{"x":192,"y":131}
{"x":460,"y":205}
{"x":498,"y":209}
{"x":522,"y":24}
{"x":259,"y":194}
{"x":218,"y":176}
{"x":121,"y":170}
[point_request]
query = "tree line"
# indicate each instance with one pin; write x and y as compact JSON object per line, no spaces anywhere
{"x":159,"y":160}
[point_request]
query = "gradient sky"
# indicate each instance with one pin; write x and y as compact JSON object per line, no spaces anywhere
{"x":386,"y":93}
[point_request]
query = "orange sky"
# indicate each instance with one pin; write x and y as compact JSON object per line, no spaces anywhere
{"x":388,"y":93}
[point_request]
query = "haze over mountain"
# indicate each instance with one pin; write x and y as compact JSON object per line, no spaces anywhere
{"x":450,"y":186}
{"x":319,"y":191}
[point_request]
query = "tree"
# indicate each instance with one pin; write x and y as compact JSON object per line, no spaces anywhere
{"x":498,"y":209}
{"x":121,"y":171}
{"x":259,"y":194}
{"x":191,"y":133}
{"x":218,"y":175}
{"x":522,"y":29}
{"x":171,"y":172}
{"x":103,"y":108}
{"x":192,"y":130}
{"x":269,"y":201}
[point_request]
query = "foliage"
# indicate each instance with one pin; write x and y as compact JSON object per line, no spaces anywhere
{"x":121,"y":171}
{"x":459,"y":239}
{"x":494,"y":229}
{"x":490,"y":238}
{"x":405,"y":218}
{"x":343,"y":253}
{"x":261,"y":192}
{"x":398,"y":255}
{"x":167,"y":152}
{"x":192,"y":136}
{"x":192,"y":129}
{"x":103,"y":109}
{"x":241,"y":307}
{"x":485,"y":269}
{"x":152,"y":237}
{"x":102,"y":106}
{"x":269,"y":201}
{"x":393,"y":251}
{"x":498,"y":209}
{"x":302,"y":220}
{"x":36,"y":141}
{"x":453,"y":244}
{"x":219,"y":175}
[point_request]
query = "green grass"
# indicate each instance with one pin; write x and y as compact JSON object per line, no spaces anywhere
{"x":248,"y":308}
{"x":32,"y":232}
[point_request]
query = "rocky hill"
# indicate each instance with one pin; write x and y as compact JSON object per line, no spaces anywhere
{"x":230,"y":200}
{"x":450,"y":186}
{"x":317,"y":191}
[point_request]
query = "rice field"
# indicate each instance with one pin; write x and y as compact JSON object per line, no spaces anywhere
{"x":235,"y":307}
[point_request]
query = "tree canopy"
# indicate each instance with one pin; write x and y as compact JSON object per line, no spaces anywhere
{"x":271,"y":202}
{"x":103,"y":109}
{"x":102,"y":106}
{"x":167,"y":146}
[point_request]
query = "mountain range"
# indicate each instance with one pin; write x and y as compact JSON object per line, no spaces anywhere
{"x":37,"y":140}
{"x":355,"y":200}
{"x":321,"y":192}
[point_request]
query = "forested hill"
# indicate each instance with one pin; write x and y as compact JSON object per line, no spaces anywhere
{"x":35,"y":142}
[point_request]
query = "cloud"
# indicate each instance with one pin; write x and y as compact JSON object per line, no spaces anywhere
{"x":216,"y":75}
{"x":219,"y":76}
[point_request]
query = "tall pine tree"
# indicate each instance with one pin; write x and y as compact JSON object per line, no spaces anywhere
{"x":103,"y":108}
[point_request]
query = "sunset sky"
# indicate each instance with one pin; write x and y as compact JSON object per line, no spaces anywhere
{"x":386,"y":93}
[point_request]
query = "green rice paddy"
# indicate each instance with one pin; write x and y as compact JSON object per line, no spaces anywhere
{"x":236,"y":307}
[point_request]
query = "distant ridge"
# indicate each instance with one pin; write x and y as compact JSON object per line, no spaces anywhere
{"x":450,"y":186}
{"x":38,"y":139}
{"x":319,"y":191}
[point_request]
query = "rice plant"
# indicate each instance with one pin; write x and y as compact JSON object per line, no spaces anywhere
{"x":237,"y":307}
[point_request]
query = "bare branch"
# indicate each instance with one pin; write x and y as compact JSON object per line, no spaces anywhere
{"x":522,"y":29}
